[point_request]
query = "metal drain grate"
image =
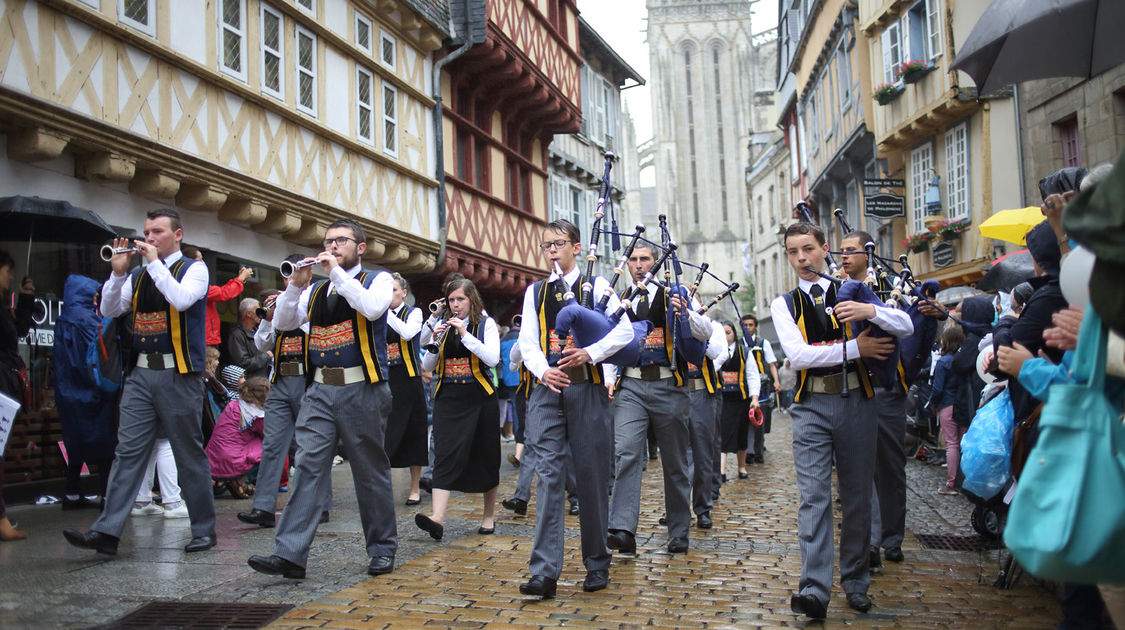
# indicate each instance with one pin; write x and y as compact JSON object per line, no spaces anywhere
{"x":199,"y":616}
{"x":956,"y":543}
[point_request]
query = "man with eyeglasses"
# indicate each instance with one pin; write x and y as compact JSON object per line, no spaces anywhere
{"x":567,"y":414}
{"x":348,"y":399}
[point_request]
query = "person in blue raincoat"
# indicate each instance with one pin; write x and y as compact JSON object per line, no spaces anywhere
{"x":85,"y":412}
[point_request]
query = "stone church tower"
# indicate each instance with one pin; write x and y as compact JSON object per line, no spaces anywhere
{"x":706,"y":73}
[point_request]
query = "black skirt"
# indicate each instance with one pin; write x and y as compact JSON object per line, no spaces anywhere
{"x":405,"y":438}
{"x":466,"y":439}
{"x":735,"y":422}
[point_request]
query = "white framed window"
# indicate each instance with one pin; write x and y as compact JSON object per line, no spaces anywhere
{"x":390,"y":119}
{"x":921,"y":170}
{"x":308,"y":5}
{"x":957,"y":171}
{"x":363,"y":32}
{"x":794,"y":155}
{"x":933,"y":28}
{"x":844,"y":76}
{"x":892,"y":44}
{"x":365,"y":105}
{"x":139,"y":14}
{"x":609,"y":119}
{"x":273,"y":59}
{"x":232,"y":38}
{"x":388,"y":49}
{"x":812,"y":124}
{"x":306,"y":71}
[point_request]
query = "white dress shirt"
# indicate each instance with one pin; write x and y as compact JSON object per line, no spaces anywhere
{"x":117,"y":292}
{"x":533,"y":357}
{"x":292,"y":306}
{"x":488,"y":350}
{"x":803,"y":356}
{"x":717,"y":349}
{"x":408,"y":328}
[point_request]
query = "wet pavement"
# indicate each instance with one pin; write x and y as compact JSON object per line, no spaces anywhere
{"x":737,"y":575}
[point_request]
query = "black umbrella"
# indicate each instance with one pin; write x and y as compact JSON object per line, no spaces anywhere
{"x":51,"y":221}
{"x":1019,"y":40}
{"x":1004,"y":273}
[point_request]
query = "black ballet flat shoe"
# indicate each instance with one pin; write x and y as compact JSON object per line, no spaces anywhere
{"x":429,"y":525}
{"x":485,"y":531}
{"x":743,"y":474}
{"x":413,"y":501}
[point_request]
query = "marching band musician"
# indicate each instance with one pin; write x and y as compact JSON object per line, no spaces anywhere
{"x":568,"y":409}
{"x":348,"y":399}
{"x":705,"y":394}
{"x":888,"y":508}
{"x":406,"y":436}
{"x":656,"y":393}
{"x":766,"y":361}
{"x":162,"y":395}
{"x":283,"y":406}
{"x":466,"y":412}
{"x":826,"y":422}
{"x":739,"y":378}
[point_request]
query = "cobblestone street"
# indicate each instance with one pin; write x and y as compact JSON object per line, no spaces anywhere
{"x":738,"y":574}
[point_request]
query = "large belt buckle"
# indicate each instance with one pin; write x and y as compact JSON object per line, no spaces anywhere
{"x":155,"y":361}
{"x":332,"y":375}
{"x":577,"y":375}
{"x":289,"y":368}
{"x":650,"y":373}
{"x":833,"y":383}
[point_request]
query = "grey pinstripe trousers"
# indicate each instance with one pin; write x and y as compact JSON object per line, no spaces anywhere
{"x":888,"y":505}
{"x":825,"y":425}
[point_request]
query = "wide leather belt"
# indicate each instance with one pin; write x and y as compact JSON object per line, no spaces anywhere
{"x":577,"y":375}
{"x":156,"y":360}
{"x":291,"y":368}
{"x":649,"y":373}
{"x":339,"y":375}
{"x":831,"y":384}
{"x":697,"y":384}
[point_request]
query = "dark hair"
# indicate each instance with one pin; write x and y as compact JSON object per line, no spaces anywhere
{"x":268,"y":293}
{"x":733,"y":328}
{"x":294,"y":258}
{"x":803,"y":227}
{"x":191,"y":251}
{"x":6,"y":260}
{"x":864,"y":237}
{"x":951,"y":339}
{"x":402,"y":282}
{"x":747,"y":316}
{"x":355,"y":227}
{"x":565,"y":227}
{"x":476,"y":304}
{"x":1021,"y":294}
{"x":173,"y":217}
{"x":450,"y":279}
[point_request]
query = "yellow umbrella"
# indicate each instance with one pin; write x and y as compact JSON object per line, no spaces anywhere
{"x":1012,"y":226}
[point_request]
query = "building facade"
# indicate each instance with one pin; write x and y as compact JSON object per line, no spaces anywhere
{"x":768,"y":180}
{"x":956,"y":149}
{"x":577,"y":162}
{"x":706,"y":68}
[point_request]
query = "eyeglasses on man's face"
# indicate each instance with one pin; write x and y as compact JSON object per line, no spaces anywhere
{"x":557,"y":244}
{"x":340,"y":241}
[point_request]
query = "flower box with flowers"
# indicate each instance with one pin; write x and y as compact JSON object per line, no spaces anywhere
{"x":919,"y":242}
{"x":912,"y":71}
{"x":951,"y":229}
{"x":887,"y":92}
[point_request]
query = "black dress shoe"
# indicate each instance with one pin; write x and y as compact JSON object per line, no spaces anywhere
{"x":573,"y":511}
{"x":324,"y":517}
{"x":595,"y":580}
{"x":859,"y":601}
{"x":426,"y":484}
{"x":413,"y":501}
{"x":874,"y":560}
{"x":200,"y":543}
{"x":808,"y":606}
{"x":381,"y":565}
{"x":723,"y":478}
{"x":704,"y":521}
{"x":894,"y":554}
{"x":99,"y":542}
{"x":542,"y":587}
{"x":427,"y":524}
{"x":621,"y":541}
{"x":519,"y":506}
{"x":276,"y":565}
{"x":261,"y":518}
{"x":678,"y":545}
{"x":758,"y":459}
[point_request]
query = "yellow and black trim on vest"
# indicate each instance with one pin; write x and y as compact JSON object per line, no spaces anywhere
{"x":474,"y":362}
{"x":365,"y":340}
{"x":743,"y":387}
{"x":406,"y":347}
{"x":278,"y":338}
{"x":177,"y":323}
{"x":710,"y":376}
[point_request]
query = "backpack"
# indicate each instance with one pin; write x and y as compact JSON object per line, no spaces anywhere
{"x":105,"y":362}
